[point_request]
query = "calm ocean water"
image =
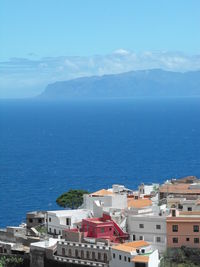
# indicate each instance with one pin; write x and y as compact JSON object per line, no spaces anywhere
{"x":48,"y":148}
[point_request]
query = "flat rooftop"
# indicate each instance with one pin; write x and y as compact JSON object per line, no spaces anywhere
{"x":63,"y":213}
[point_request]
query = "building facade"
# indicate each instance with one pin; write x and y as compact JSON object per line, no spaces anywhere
{"x":83,"y":253}
{"x":59,"y":220}
{"x":148,"y":227}
{"x":183,"y":229}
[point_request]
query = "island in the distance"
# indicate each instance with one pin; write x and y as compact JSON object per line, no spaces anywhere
{"x":143,"y":83}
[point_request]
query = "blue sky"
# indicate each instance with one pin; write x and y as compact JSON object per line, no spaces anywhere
{"x":80,"y":30}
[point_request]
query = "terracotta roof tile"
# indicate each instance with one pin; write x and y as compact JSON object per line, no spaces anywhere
{"x":139,"y":203}
{"x":178,"y":188}
{"x":102,"y":192}
{"x":141,"y":258}
{"x":131,"y":246}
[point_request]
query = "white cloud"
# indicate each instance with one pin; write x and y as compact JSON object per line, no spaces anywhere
{"x":32,"y":75}
{"x":121,"y":51}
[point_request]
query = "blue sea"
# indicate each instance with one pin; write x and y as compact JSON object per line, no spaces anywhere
{"x":46,"y":148}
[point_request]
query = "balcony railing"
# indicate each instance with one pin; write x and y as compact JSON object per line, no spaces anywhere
{"x":80,"y":261}
{"x":75,"y":244}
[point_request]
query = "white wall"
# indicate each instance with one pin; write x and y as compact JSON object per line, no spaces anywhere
{"x":147,"y":189}
{"x":154,"y":259}
{"x":190,"y":204}
{"x":97,"y":204}
{"x":149,"y":232}
{"x":57,"y":219}
{"x":116,"y":262}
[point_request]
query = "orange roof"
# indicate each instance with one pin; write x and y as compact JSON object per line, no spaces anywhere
{"x":140,"y":258}
{"x":139,"y":203}
{"x":131,"y":246}
{"x":101,"y":193}
{"x":178,"y":189}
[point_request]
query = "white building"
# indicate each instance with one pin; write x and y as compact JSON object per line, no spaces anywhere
{"x":185,"y":204}
{"x":134,"y":254}
{"x":147,"y":189}
{"x":150,"y":227}
{"x":190,"y":205}
{"x":103,"y":200}
{"x":65,"y":219}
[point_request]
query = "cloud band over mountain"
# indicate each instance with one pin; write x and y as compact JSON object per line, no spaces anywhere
{"x":21,"y":77}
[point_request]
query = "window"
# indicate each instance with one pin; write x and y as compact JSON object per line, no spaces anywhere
{"x":189,"y":208}
{"x":110,"y":229}
{"x":124,"y":258}
{"x":93,"y":255}
{"x":102,"y":230}
{"x":39,"y":220}
{"x":158,"y":239}
{"x":68,"y":221}
{"x":143,"y":250}
{"x":30,"y":220}
{"x":196,"y":240}
{"x":70,"y":252}
{"x":180,"y":207}
{"x":63,"y":251}
{"x":49,"y":219}
{"x":174,"y":228}
{"x":54,"y":231}
{"x":134,"y":238}
{"x":158,"y":226}
{"x":141,"y":225}
{"x":175,"y":240}
{"x":49,"y":230}
{"x":88,"y":254}
{"x":195,"y":228}
{"x":76,"y":253}
{"x":113,"y":255}
{"x":141,"y":237}
{"x":187,"y":239}
{"x":120,"y":257}
{"x":59,"y":232}
{"x":82,"y":254}
{"x":129,"y":259}
{"x":173,"y":213}
{"x":99,"y":256}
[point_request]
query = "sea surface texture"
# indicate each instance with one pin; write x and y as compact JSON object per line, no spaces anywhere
{"x":46,"y":148}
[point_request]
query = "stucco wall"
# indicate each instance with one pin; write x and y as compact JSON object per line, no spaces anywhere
{"x":149,"y":232}
{"x":185,"y":230}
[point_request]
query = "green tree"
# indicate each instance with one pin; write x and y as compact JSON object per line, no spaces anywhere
{"x":72,"y":199}
{"x":10,"y":261}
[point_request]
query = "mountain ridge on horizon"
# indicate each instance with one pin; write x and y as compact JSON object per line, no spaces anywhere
{"x":140,"y":83}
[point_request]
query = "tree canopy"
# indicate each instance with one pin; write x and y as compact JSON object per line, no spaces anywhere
{"x":72,"y":199}
{"x":181,"y":257}
{"x":11,"y":261}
